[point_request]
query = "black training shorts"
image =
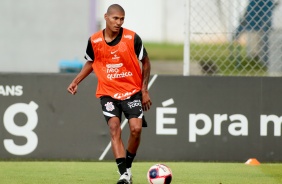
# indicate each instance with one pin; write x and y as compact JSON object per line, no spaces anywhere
{"x":131,"y":108}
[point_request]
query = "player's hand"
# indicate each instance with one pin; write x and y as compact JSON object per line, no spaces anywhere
{"x":146,"y":101}
{"x":72,"y":89}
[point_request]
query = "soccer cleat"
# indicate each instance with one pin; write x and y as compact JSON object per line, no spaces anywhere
{"x":124,"y":179}
{"x":128,"y":170}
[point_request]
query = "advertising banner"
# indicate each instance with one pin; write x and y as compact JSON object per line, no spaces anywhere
{"x":191,"y":119}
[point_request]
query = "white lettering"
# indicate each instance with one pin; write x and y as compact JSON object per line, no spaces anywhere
{"x":128,"y":36}
{"x":133,"y":104}
{"x":237,"y":127}
{"x":194,"y":130}
{"x":115,"y":57}
{"x":18,"y":90}
{"x":161,"y":121}
{"x":119,"y":75}
{"x":2,"y":91}
{"x":126,"y":94}
{"x":112,"y":70}
{"x":218,"y":119}
{"x":26,"y":131}
{"x":11,"y":90}
{"x":97,"y":40}
{"x":119,"y":65}
{"x":240,"y":127}
{"x":265,"y":119}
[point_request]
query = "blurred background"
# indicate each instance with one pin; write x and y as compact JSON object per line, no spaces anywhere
{"x":190,"y":37}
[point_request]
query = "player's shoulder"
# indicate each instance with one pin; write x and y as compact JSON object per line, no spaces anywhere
{"x":136,"y":37}
{"x":97,"y":33}
{"x":126,"y":30}
{"x":96,"y":37}
{"x":129,"y":32}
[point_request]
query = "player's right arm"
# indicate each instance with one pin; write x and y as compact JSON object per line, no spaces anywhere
{"x":86,"y":70}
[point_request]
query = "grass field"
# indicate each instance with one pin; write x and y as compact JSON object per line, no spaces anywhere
{"x":106,"y":173}
{"x":225,"y":58}
{"x":165,"y":51}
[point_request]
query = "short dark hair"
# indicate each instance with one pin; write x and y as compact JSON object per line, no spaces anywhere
{"x":116,"y":7}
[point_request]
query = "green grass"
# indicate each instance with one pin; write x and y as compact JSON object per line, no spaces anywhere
{"x":165,"y":51}
{"x":224,"y":58}
{"x":34,"y":172}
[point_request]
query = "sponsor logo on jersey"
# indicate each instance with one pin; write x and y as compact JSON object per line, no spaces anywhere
{"x":115,"y":71}
{"x":112,"y":76}
{"x":122,"y":95}
{"x":114,"y":65}
{"x":128,"y":36}
{"x":113,"y":52}
{"x":97,"y":40}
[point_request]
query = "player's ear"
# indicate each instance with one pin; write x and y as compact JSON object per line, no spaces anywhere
{"x":105,"y":16}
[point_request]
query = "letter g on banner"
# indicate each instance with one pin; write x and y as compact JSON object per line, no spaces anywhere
{"x":26,"y":131}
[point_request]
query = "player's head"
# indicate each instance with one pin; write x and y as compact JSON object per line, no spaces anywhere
{"x":114,"y":17}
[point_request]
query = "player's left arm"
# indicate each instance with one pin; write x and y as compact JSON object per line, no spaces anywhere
{"x":142,"y":55}
{"x":146,"y":69}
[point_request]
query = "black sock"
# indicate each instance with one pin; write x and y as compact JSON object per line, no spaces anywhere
{"x":129,"y":159}
{"x":121,"y":163}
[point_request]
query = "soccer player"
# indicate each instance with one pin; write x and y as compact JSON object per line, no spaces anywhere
{"x":114,"y":54}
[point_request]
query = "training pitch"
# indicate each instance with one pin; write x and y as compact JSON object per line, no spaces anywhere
{"x":43,"y":172}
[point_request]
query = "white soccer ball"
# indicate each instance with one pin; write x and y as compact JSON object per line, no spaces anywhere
{"x":159,"y":174}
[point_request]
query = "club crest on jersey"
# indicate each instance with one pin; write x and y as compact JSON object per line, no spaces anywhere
{"x":109,"y":106}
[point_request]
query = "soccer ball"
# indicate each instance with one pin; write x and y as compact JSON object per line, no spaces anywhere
{"x":159,"y":174}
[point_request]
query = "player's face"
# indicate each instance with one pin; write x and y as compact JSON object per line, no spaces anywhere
{"x":114,"y":20}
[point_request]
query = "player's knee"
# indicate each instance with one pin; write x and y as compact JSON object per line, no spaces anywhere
{"x":136,"y":131}
{"x":115,"y":130}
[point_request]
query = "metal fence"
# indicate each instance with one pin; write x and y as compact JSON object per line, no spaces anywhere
{"x":235,"y":37}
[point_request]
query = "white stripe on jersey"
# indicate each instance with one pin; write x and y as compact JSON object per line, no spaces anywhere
{"x":87,"y":57}
{"x":141,"y":53}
